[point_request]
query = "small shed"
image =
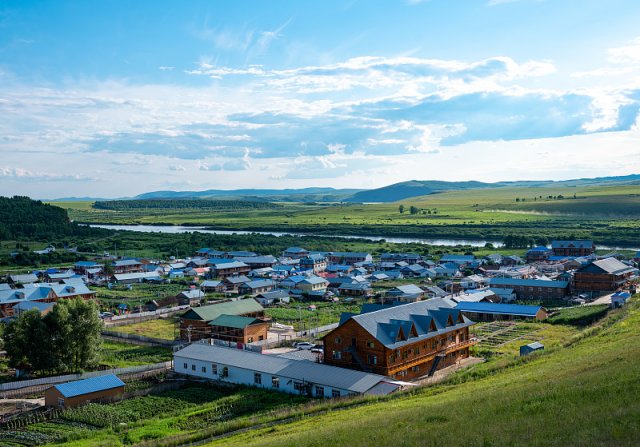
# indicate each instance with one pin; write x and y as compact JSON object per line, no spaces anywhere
{"x":531,"y":347}
{"x":105,"y":388}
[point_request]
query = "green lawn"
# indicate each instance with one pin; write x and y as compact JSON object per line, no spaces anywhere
{"x":163,"y":328}
{"x":122,"y":355}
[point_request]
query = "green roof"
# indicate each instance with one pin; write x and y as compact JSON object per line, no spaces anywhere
{"x":208,"y":313}
{"x":234,"y":321}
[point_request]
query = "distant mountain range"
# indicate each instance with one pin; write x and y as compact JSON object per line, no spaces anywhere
{"x":391,"y":193}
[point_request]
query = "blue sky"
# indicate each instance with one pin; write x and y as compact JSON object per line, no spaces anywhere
{"x":115,"y":98}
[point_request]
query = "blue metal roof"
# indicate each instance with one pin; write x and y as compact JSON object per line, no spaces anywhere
{"x":496,"y":308}
{"x":86,"y":386}
{"x":527,"y":282}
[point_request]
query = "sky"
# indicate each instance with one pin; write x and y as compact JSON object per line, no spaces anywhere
{"x":113,"y":98}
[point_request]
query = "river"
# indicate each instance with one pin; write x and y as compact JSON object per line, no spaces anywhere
{"x":175,"y":229}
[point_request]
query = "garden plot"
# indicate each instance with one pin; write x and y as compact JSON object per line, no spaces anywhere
{"x":497,"y":334}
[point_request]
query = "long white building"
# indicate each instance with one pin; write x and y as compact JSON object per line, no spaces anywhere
{"x":286,"y":375}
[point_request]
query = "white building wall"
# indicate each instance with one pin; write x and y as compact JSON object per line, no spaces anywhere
{"x":241,"y":376}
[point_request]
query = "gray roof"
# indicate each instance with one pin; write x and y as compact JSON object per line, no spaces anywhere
{"x":406,"y":289}
{"x":229,"y":265}
{"x":26,"y":278}
{"x":609,"y":265}
{"x":266,"y":259}
{"x":126,"y":262}
{"x":258,"y":284}
{"x":302,"y":370}
{"x":129,"y":276}
{"x":315,"y":280}
{"x":416,"y":321}
{"x":242,"y":279}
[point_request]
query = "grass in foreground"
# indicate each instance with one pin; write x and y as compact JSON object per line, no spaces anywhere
{"x":585,"y":394}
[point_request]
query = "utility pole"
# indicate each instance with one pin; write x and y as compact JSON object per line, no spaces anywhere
{"x":189,"y":334}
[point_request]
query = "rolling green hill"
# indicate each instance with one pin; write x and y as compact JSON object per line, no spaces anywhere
{"x":585,"y":394}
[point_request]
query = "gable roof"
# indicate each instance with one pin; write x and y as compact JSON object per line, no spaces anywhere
{"x":208,"y":313}
{"x":608,"y":265}
{"x":234,"y":321}
{"x":86,"y":386}
{"x":395,"y":326}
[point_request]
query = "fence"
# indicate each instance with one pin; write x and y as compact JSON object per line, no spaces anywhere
{"x":145,"y":315}
{"x":133,"y":338}
{"x":70,"y":377}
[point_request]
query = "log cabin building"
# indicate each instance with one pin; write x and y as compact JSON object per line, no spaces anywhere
{"x":604,"y":275}
{"x":194,"y":324}
{"x":403,"y":342}
{"x":573,"y":248}
{"x":238,"y":329}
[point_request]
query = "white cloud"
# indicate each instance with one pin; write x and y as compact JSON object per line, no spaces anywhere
{"x":178,"y":168}
{"x":41,"y":176}
{"x":629,"y":53}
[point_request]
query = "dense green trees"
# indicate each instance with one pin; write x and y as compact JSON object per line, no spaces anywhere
{"x":21,"y":217}
{"x":66,"y":339}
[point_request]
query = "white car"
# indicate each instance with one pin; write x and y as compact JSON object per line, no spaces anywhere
{"x":304,"y":345}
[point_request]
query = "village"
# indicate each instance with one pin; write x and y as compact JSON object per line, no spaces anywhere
{"x":313,"y":324}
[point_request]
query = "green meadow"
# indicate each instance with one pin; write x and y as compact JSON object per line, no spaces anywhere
{"x":584,"y":391}
{"x":606,"y":214}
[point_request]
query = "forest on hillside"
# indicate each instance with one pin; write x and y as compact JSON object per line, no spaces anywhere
{"x":24,"y":218}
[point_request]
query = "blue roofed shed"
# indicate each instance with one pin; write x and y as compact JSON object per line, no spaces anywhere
{"x":105,"y":388}
{"x":531,"y":347}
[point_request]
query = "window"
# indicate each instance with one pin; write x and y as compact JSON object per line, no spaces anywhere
{"x":193,"y":367}
{"x":275,"y":382}
{"x":372,"y":359}
{"x":336,"y":355}
{"x":335,"y":393}
{"x":204,"y":369}
{"x":225,"y":372}
{"x":298,"y":386}
{"x":371,"y":344}
{"x":185,"y":366}
{"x":214,"y":368}
{"x":416,"y":350}
{"x":250,"y":340}
{"x":319,"y":391}
{"x":415,"y":368}
{"x":257,"y":378}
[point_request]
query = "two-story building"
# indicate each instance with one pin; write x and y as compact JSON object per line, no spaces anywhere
{"x":403,"y":342}
{"x":604,"y":275}
{"x":573,"y":248}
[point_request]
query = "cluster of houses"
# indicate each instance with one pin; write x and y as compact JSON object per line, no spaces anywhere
{"x":409,"y":331}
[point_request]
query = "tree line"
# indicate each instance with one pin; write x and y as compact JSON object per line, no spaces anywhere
{"x":232,"y":205}
{"x":24,"y":218}
{"x":65,"y":339}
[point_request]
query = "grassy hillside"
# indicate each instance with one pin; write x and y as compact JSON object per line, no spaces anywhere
{"x":609,"y":215}
{"x":585,"y":394}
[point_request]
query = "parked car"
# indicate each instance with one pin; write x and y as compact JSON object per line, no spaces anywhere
{"x":317,"y":350}
{"x":304,"y":345}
